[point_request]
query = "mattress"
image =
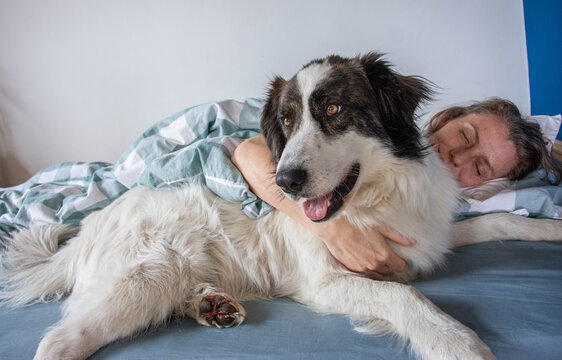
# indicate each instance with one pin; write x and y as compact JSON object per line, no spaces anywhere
{"x":510,"y":293}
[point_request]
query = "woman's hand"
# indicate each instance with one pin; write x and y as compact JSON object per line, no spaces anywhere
{"x":364,"y":252}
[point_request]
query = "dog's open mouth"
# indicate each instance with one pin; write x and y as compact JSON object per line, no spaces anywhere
{"x":322,"y":208}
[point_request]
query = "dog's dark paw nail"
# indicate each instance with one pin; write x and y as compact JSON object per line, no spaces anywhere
{"x":220,"y":311}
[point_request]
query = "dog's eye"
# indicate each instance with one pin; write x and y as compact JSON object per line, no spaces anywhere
{"x":287,"y":122}
{"x":332,"y":109}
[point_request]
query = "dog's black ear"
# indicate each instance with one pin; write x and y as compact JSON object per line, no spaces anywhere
{"x":397,"y":97}
{"x":270,"y":125}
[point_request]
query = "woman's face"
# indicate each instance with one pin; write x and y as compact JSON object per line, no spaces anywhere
{"x":475,"y":148}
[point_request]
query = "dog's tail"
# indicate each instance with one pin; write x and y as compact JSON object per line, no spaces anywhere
{"x":505,"y":226}
{"x":33,"y":268}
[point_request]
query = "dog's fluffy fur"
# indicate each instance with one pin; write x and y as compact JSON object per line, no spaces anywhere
{"x":342,"y":136}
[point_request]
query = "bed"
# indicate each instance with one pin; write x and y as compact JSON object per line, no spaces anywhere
{"x":510,"y":293}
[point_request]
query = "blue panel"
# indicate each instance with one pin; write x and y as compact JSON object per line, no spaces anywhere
{"x":544,"y":50}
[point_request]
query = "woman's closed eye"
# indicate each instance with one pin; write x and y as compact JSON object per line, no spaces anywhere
{"x":464,"y":137}
{"x":468,"y":135}
{"x":482,"y":169}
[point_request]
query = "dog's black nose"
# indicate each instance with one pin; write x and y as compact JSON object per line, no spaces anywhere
{"x":291,"y":181}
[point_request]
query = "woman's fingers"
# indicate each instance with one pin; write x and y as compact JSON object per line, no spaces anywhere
{"x":367,"y":252}
{"x":395,"y":236}
{"x":392,"y":263}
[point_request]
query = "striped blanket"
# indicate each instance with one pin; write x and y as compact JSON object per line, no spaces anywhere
{"x":195,"y":145}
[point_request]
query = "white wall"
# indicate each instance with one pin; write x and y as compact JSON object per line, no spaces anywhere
{"x":80,"y":80}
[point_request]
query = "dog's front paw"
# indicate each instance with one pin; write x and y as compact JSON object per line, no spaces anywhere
{"x":60,"y":344}
{"x":220,"y":311}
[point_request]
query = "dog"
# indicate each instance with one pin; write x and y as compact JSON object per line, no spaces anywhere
{"x":342,"y":136}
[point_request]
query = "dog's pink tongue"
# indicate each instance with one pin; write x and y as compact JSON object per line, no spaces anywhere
{"x":316,"y":209}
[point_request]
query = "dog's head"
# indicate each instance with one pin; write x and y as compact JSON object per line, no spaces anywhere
{"x":320,"y":126}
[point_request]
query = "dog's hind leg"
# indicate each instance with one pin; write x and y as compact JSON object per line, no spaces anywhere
{"x":505,"y":226}
{"x":394,"y":308}
{"x":99,"y":314}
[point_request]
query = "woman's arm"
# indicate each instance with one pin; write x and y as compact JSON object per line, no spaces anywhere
{"x":365,"y":252}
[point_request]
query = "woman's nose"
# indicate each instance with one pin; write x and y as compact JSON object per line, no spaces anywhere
{"x":459,"y":157}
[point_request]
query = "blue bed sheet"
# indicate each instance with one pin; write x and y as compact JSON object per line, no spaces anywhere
{"x":509,"y":293}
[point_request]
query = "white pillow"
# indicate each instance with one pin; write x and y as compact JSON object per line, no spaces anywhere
{"x":485,"y":190}
{"x":549,"y":127}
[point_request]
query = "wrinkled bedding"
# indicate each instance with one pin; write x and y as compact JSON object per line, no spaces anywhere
{"x":195,"y":145}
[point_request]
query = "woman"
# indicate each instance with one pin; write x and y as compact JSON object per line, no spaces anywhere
{"x":480,"y":142}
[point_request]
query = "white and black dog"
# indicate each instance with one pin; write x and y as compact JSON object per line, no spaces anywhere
{"x":342,"y":134}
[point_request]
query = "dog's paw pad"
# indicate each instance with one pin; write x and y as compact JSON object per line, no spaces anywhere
{"x":220,"y":311}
